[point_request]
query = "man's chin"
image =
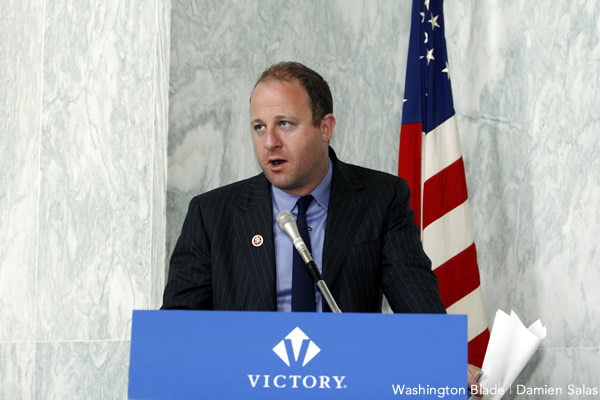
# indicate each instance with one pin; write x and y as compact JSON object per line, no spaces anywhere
{"x":281,"y":183}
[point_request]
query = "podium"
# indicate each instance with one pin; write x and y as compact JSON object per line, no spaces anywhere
{"x":271,"y":355}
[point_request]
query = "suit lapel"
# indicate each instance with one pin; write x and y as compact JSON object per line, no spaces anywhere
{"x":255,"y":217}
{"x":346,"y":210}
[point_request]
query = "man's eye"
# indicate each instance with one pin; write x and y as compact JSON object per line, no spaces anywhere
{"x":285,"y":124}
{"x":259,"y":128}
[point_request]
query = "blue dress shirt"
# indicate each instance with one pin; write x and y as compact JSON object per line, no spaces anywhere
{"x":316,"y":217}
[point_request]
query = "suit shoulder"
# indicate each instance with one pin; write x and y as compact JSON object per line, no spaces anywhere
{"x":232,"y":191}
{"x":370,"y":177}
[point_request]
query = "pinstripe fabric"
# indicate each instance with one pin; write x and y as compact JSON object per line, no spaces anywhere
{"x":371,"y":247}
{"x":214,"y":264}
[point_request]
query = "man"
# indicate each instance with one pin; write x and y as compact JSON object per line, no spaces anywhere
{"x":363,"y":237}
{"x":232,"y":256}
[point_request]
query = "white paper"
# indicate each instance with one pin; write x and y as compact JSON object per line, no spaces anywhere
{"x":510,"y":347}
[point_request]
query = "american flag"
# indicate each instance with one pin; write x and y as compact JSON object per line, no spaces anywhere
{"x":431,"y":161}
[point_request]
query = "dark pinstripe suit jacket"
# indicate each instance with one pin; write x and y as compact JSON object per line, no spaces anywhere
{"x":371,"y":247}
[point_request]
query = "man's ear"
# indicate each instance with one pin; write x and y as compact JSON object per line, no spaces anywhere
{"x":327,"y":125}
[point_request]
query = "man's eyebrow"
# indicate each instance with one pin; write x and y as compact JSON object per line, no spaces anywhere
{"x":278,"y":117}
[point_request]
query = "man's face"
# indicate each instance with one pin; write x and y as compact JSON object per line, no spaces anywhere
{"x":292,"y":152}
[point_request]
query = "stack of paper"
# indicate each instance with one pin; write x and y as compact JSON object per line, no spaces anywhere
{"x":510,"y":347}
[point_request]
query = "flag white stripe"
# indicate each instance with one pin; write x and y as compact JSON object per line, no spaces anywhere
{"x":442,"y":147}
{"x":448,"y":235}
{"x":472,"y":305}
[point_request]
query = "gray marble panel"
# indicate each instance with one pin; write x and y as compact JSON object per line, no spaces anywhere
{"x":526,"y":88}
{"x":16,"y":371}
{"x":98,"y":109}
{"x":570,"y":372}
{"x":82,"y":370}
{"x":20,"y":93}
{"x":159,"y":163}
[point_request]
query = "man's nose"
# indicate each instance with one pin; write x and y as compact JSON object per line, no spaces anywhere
{"x":272,"y":140}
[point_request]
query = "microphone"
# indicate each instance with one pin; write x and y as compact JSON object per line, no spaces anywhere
{"x":287,"y":223}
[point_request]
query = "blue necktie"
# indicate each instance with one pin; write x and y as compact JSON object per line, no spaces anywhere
{"x":303,"y":287}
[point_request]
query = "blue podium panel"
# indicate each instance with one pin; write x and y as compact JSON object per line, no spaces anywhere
{"x":271,"y":355}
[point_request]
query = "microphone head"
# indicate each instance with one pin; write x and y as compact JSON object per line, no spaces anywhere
{"x":287,"y":223}
{"x":285,"y":217}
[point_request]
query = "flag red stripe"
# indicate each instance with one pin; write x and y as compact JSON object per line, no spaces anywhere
{"x":409,"y":164}
{"x":458,"y":276}
{"x":444,"y":191}
{"x":477,"y":348}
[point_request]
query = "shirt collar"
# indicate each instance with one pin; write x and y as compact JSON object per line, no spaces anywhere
{"x":285,"y":201}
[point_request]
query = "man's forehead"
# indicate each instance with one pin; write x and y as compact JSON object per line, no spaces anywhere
{"x":280,"y":84}
{"x":275,"y":93}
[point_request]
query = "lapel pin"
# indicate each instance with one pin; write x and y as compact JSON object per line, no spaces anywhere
{"x":257,"y":241}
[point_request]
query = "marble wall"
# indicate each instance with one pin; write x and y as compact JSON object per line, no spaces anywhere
{"x":525,"y":81}
{"x":83,"y":124}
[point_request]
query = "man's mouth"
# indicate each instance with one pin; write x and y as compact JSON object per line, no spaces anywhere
{"x":277,"y":162}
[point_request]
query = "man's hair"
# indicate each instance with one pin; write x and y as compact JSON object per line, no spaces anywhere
{"x":319,"y":94}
